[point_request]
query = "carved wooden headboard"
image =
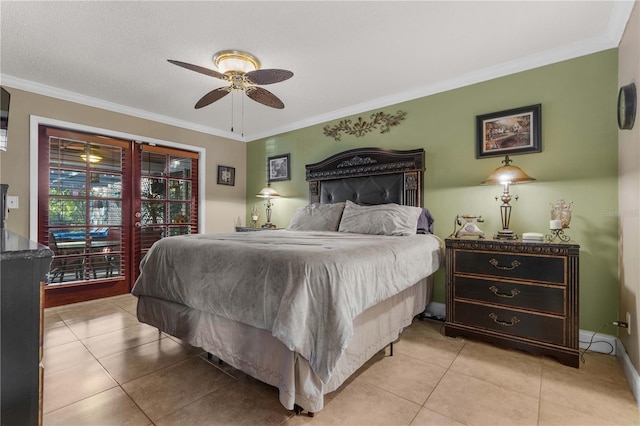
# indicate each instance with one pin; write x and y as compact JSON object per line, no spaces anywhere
{"x":368,"y":176}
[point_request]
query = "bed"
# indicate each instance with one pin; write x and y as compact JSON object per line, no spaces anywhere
{"x":303,"y":308}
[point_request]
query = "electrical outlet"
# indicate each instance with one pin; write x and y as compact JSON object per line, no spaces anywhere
{"x":628,"y":323}
{"x":12,"y":201}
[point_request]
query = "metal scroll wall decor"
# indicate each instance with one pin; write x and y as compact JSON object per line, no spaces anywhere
{"x":362,"y":127}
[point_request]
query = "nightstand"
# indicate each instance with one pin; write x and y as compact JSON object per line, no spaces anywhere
{"x":515,"y":294}
{"x":250,"y":229}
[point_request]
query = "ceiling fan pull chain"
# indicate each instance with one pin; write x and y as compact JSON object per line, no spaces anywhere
{"x":232,"y":96}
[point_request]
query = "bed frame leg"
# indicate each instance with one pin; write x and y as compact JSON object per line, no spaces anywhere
{"x":298,"y":410}
{"x":210,"y":357}
{"x":391,"y":349}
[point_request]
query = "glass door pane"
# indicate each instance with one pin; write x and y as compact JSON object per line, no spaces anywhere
{"x":85,"y":210}
{"x":166,"y":194}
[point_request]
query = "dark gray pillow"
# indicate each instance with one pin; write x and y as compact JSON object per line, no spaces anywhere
{"x":317,"y":217}
{"x":382,"y":219}
{"x":425,"y":222}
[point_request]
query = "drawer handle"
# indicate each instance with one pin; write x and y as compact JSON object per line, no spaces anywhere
{"x":513,"y":294}
{"x":495,"y":319}
{"x":513,"y":266}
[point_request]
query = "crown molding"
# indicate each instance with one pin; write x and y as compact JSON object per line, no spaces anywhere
{"x":65,"y":95}
{"x":618,"y":19}
{"x":620,"y":13}
{"x":478,"y":76}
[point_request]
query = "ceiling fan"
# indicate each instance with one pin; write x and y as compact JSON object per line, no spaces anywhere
{"x":242,"y":71}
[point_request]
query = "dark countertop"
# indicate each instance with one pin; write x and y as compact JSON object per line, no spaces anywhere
{"x":14,"y":246}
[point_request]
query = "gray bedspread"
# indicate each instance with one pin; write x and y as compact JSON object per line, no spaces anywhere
{"x":305,"y":287}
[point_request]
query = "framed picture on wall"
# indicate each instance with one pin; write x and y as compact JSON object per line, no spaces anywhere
{"x":226,"y":175}
{"x":514,"y":131}
{"x":279,"y":167}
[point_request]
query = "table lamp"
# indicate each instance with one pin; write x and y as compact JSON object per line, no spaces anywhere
{"x":268,"y":193}
{"x":507,"y":175}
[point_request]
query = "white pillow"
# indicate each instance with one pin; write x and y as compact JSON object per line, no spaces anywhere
{"x":317,"y":217}
{"x":382,"y":219}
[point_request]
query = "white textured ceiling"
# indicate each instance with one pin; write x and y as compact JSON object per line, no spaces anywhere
{"x":347,"y":57}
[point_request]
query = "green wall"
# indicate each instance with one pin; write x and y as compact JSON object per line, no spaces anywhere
{"x":578,"y":162}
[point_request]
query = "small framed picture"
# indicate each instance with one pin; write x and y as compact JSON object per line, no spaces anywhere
{"x":226,"y":175}
{"x":279,"y":167}
{"x":514,"y":131}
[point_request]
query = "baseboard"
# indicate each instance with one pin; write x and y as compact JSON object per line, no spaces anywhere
{"x":435,"y":310}
{"x":603,"y":343}
{"x":629,"y":371}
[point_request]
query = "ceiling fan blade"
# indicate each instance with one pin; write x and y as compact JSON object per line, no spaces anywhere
{"x":201,"y":70}
{"x":268,"y":76}
{"x":265,"y":97}
{"x":212,"y":96}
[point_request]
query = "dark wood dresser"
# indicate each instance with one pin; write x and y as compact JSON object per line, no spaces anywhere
{"x":515,"y":294}
{"x":23,"y":268}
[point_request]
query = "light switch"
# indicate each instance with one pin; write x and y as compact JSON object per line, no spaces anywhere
{"x":12,"y":201}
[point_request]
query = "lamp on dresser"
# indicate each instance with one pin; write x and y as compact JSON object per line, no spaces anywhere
{"x":507,"y":175}
{"x":269,"y":193}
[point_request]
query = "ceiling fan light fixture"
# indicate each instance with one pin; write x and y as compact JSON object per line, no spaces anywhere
{"x":233,"y":62}
{"x":92,"y":158}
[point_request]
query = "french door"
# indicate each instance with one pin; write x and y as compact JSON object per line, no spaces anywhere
{"x":166,"y":201}
{"x":102,"y":203}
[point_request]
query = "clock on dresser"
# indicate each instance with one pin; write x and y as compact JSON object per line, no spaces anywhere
{"x":514,"y":294}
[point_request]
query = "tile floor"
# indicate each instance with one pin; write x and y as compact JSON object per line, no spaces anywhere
{"x":103,"y":367}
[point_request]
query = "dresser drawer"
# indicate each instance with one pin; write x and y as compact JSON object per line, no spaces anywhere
{"x":527,"y":296}
{"x":520,"y":266}
{"x":515,"y":323}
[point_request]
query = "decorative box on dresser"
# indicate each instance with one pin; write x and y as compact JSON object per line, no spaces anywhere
{"x":24,"y":265}
{"x":516,"y":294}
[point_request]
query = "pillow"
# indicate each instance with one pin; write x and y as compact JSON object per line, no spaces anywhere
{"x":382,"y":219}
{"x":425,"y":222}
{"x":317,"y":217}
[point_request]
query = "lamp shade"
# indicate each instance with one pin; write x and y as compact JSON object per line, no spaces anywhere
{"x":507,"y":174}
{"x":267,"y":192}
